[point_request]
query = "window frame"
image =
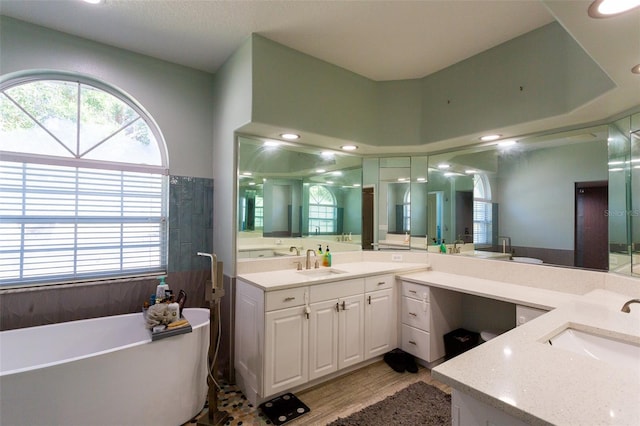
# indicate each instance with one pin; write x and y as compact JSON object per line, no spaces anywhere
{"x":334,"y":209}
{"x":16,"y":79}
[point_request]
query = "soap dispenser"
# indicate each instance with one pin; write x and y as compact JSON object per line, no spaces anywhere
{"x":161,"y":289}
{"x":326,"y":260}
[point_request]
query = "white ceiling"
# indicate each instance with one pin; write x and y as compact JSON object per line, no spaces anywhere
{"x":382,"y":40}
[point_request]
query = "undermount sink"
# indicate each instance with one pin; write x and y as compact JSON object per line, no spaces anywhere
{"x":321,"y":272}
{"x":603,"y":348}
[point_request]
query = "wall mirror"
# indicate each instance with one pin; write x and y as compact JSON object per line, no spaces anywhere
{"x":394,"y":202}
{"x":545,"y":198}
{"x":296,"y":196}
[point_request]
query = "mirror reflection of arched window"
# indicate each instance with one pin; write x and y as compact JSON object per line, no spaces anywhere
{"x":322,"y":210}
{"x":482,"y":217}
{"x":406,"y":211}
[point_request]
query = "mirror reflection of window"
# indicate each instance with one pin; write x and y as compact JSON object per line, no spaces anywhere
{"x":482,"y":217}
{"x":259,"y":212}
{"x":406,"y":211}
{"x":322,"y":210}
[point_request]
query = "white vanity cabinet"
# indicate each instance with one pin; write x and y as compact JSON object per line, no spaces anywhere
{"x":427,"y":315}
{"x":336,"y":326}
{"x":286,"y":338}
{"x":380,"y":316}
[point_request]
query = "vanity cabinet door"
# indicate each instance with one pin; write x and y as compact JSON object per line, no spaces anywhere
{"x":286,"y":349}
{"x":323,"y":338}
{"x":380,"y":323}
{"x":351,"y":331}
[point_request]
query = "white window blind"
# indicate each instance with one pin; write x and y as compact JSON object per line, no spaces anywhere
{"x":60,"y":223}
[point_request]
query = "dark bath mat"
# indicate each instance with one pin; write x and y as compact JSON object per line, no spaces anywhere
{"x":417,"y":404}
{"x":283,"y":409}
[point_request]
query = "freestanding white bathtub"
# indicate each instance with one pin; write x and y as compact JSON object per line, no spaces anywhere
{"x":103,"y":371}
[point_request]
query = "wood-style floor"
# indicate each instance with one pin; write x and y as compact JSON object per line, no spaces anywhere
{"x":352,"y":392}
{"x":335,"y":398}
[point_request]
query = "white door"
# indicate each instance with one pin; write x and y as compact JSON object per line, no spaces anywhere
{"x":351,"y":331}
{"x":323,"y":338}
{"x":286,"y":349}
{"x":380,"y":323}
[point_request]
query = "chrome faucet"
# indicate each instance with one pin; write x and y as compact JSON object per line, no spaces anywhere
{"x":456,"y":249}
{"x":626,"y":308}
{"x":292,"y":248}
{"x":308,"y":264}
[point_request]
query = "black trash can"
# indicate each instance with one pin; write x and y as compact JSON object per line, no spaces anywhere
{"x":459,"y":341}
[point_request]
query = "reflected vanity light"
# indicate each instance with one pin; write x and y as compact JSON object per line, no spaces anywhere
{"x":290,"y":136}
{"x":421,"y":179}
{"x":327,"y":154}
{"x":615,"y":163}
{"x":607,"y":8}
{"x":271,"y":144}
{"x":348,"y":147}
{"x":246,"y":173}
{"x":507,"y":143}
{"x":320,"y":170}
{"x":444,"y":166}
{"x":356,"y":185}
{"x":337,"y":173}
{"x":252,"y":183}
{"x":471,"y":172}
{"x":616,"y":169}
{"x":94,"y":1}
{"x":489,"y":138}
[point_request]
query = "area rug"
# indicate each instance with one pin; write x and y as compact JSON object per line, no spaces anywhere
{"x":417,"y":404}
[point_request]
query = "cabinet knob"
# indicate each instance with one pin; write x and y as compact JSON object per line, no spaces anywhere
{"x":289,"y":299}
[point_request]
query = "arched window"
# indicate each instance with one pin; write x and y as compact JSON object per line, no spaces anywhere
{"x":322,"y":210}
{"x":82,"y":181}
{"x":482,"y":210}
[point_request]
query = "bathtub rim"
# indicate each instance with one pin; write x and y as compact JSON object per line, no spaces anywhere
{"x":99,"y":353}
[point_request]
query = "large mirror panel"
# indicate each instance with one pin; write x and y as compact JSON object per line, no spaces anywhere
{"x":296,"y":196}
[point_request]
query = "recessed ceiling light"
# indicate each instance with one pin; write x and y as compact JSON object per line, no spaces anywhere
{"x":290,"y":136}
{"x":636,"y":69}
{"x":443,"y":166}
{"x":94,"y":1}
{"x":348,"y":147}
{"x":488,"y":138}
{"x":607,"y":8}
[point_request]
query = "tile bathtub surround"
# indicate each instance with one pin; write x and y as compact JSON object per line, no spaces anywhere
{"x":190,"y":222}
{"x":29,"y":307}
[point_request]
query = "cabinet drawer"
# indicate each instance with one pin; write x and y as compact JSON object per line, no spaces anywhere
{"x":415,"y":313}
{"x":416,"y":291}
{"x":379,"y":282}
{"x":336,"y":290}
{"x":415,"y":342}
{"x":281,"y":299}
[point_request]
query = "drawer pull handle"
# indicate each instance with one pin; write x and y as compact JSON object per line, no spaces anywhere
{"x":381,"y":283}
{"x":337,"y":307}
{"x":289,"y":299}
{"x":344,"y":305}
{"x":413,"y":291}
{"x":412,"y":342}
{"x":413,"y":314}
{"x":369,"y":299}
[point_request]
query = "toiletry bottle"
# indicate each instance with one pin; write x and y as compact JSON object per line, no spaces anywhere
{"x":160,"y":289}
{"x":443,"y":247}
{"x":326,"y":260}
{"x":320,"y":249}
{"x":174,"y":312}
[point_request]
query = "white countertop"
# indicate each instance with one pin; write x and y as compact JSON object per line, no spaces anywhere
{"x":282,"y":279}
{"x":513,"y":293}
{"x":522,"y":375}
